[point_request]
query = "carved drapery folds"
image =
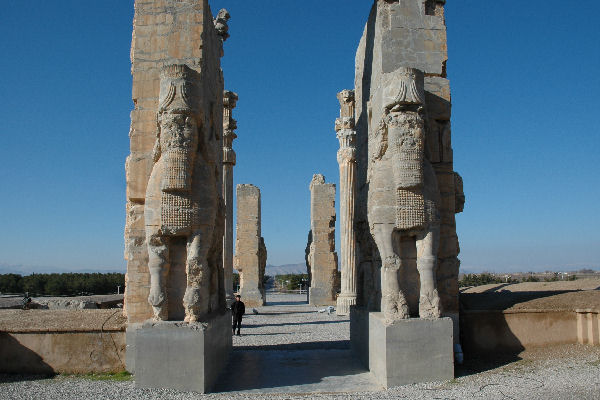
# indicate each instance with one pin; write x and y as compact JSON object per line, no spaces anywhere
{"x":346,"y":156}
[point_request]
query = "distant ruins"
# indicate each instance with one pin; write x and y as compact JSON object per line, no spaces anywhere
{"x":321,"y":259}
{"x":250,"y":250}
{"x":398,"y":197}
{"x":175,"y":206}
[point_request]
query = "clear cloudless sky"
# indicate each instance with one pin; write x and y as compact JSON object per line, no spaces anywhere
{"x":525,"y":82}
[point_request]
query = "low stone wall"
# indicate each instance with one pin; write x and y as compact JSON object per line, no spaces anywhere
{"x":73,"y":352}
{"x":62,"y":341}
{"x":515,"y":331}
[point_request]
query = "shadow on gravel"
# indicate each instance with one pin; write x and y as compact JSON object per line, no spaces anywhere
{"x":12,"y":378}
{"x":477,"y":364}
{"x":287,"y":303}
{"x":297,"y":323}
{"x":284,"y":312}
{"x":326,"y":345}
{"x":280,"y":370}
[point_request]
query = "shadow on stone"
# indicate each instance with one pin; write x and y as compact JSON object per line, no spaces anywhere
{"x":18,"y":359}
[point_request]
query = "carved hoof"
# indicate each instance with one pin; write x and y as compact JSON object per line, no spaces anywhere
{"x":429,"y":305}
{"x":191,"y":297}
{"x":190,"y":318}
{"x":160,"y":314}
{"x":394,"y":307}
{"x":391,"y":262}
{"x":156,"y":297}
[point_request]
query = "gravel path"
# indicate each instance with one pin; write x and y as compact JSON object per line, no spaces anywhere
{"x":289,"y":323}
{"x":562,"y":372}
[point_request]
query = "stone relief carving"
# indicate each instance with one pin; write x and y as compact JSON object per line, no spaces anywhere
{"x":180,"y":198}
{"x":221,"y":24}
{"x":403,"y":195}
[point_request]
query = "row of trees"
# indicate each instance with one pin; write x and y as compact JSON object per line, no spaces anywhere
{"x":291,"y":281}
{"x":487,"y":278}
{"x":67,"y":284}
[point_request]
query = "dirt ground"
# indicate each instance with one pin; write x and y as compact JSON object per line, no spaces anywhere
{"x":61,"y":320}
{"x":561,"y":295}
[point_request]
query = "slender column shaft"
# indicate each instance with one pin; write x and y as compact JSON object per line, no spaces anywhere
{"x":229,"y":126}
{"x":346,"y":156}
{"x":228,"y":234}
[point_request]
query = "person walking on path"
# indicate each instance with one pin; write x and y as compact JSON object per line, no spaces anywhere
{"x":238,"y":309}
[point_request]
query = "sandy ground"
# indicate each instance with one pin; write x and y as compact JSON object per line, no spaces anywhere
{"x":61,"y":320}
{"x":561,"y":295}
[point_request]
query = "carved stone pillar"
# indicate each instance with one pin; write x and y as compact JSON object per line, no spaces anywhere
{"x":229,"y":126}
{"x":346,"y":156}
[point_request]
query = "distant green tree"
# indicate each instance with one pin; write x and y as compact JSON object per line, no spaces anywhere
{"x":11,"y":283}
{"x":531,"y":278}
{"x":236,"y":281}
{"x":292,"y":281}
{"x":480,"y":279}
{"x":67,"y":284}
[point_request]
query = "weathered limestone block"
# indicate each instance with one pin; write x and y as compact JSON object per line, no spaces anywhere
{"x":322,"y":258}
{"x":250,"y":251}
{"x":179,"y":34}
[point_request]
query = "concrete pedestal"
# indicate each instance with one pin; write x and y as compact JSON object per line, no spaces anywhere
{"x":410,"y":351}
{"x":182,"y":356}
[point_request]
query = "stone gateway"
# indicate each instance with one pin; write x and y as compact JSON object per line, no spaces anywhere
{"x":175,"y":296}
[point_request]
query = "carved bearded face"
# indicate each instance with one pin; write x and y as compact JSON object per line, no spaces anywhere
{"x":406,"y":137}
{"x":178,"y":142}
{"x":177,"y":131}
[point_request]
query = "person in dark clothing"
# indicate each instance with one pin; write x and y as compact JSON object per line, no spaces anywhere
{"x":238,"y":309}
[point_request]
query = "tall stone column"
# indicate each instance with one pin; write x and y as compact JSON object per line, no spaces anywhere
{"x":322,"y":258}
{"x":250,"y":250}
{"x":229,"y":126}
{"x":346,"y":156}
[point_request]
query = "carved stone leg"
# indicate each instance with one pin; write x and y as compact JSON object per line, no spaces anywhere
{"x":427,"y":248}
{"x":393,"y":302}
{"x":197,"y":293}
{"x":158,"y":265}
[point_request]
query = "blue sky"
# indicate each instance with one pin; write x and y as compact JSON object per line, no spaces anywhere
{"x":525,"y":87}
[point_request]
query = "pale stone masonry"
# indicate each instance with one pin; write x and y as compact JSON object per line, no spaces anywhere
{"x":406,"y":33}
{"x":321,"y":257}
{"x":346,"y":156}
{"x":250,"y":250}
{"x":179,"y":33}
{"x":229,"y":126}
{"x":175,"y":208}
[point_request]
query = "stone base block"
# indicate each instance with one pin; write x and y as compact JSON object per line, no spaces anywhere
{"x":411,"y":350}
{"x":320,"y":297}
{"x":182,"y":356}
{"x":130,"y":336}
